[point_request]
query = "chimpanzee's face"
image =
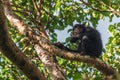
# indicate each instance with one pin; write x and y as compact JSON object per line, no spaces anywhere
{"x":77,"y":34}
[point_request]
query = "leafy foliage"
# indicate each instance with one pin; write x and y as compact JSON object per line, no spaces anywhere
{"x":57,"y":15}
{"x":113,"y":47}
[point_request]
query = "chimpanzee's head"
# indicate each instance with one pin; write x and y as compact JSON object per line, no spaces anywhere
{"x":77,"y":33}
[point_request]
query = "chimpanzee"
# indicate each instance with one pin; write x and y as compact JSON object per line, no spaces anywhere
{"x":90,"y":42}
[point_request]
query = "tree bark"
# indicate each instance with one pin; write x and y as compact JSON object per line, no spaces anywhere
{"x":45,"y":44}
{"x":10,"y":50}
{"x":25,"y":30}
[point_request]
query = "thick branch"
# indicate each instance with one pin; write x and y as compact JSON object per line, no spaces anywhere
{"x":9,"y":49}
{"x":39,"y":39}
{"x":25,"y":30}
{"x":48,"y":61}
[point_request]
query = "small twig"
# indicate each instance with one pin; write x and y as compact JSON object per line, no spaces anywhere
{"x":36,"y":8}
{"x":111,"y":9}
{"x":38,"y":11}
{"x":96,"y":9}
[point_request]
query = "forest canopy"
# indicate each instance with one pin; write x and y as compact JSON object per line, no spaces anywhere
{"x":28,"y":33}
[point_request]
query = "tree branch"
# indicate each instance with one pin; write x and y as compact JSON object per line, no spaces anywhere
{"x":48,"y":61}
{"x":38,"y":11}
{"x":10,"y":50}
{"x":96,"y":9}
{"x":36,"y":8}
{"x":45,"y":44}
{"x":25,"y":30}
{"x":110,"y":9}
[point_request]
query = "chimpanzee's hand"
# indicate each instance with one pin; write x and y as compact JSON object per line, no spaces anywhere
{"x":60,"y":45}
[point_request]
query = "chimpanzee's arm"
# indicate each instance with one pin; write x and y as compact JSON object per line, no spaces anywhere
{"x":61,"y":46}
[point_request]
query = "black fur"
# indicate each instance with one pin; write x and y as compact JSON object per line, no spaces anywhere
{"x":90,"y":42}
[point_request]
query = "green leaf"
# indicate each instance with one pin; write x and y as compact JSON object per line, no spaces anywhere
{"x":111,"y":28}
{"x":58,"y":4}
